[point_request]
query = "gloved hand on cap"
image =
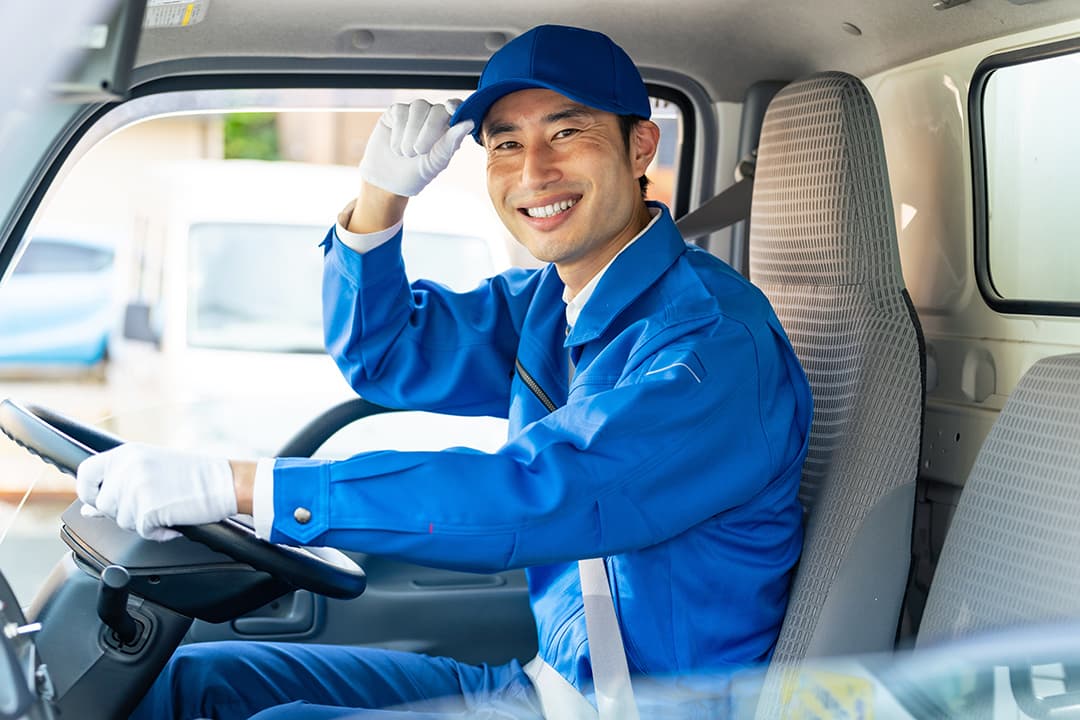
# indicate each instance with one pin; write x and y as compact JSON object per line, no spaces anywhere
{"x":410,"y":145}
{"x":149,"y":489}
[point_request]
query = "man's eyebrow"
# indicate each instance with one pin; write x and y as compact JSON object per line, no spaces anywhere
{"x":499,"y":128}
{"x":569,"y":112}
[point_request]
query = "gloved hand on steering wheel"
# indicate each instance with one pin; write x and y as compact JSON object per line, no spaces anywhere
{"x":149,"y":489}
{"x":410,"y":145}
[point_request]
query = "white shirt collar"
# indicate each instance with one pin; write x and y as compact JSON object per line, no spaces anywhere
{"x":574,"y":305}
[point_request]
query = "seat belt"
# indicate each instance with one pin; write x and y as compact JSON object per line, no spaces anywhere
{"x":611,"y":676}
{"x":607,"y":655}
{"x":559,"y":699}
{"x":724,"y":209}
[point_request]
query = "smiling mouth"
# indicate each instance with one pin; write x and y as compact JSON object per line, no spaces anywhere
{"x":551,"y":210}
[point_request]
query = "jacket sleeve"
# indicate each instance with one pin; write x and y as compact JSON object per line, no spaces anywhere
{"x":420,"y":347}
{"x":680,"y":438}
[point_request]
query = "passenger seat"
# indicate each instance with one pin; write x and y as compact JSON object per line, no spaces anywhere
{"x":823,"y":249}
{"x":1012,"y":553}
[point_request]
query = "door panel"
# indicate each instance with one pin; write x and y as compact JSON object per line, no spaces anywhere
{"x":473,"y":618}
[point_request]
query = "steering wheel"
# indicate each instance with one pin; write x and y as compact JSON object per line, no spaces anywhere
{"x":64,"y":443}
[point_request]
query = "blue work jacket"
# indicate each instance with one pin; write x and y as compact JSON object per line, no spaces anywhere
{"x":676,"y":454}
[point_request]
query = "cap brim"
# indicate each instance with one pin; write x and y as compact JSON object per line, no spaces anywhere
{"x":476,"y":106}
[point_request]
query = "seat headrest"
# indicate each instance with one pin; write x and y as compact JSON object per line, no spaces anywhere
{"x":822,"y":211}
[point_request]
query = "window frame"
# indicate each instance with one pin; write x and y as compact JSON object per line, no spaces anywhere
{"x":684,"y":176}
{"x":676,"y":89}
{"x":980,"y":216}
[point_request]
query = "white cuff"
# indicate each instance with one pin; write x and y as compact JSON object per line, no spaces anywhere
{"x":361,"y":242}
{"x":262,"y":500}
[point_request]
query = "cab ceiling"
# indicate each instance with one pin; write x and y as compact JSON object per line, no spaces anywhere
{"x":723,"y":44}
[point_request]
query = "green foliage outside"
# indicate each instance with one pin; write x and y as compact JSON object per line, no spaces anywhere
{"x":251,"y":136}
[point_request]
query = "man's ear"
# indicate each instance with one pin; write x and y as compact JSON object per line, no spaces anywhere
{"x":644,"y":140}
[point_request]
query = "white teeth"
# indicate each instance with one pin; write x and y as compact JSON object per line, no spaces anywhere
{"x":546,"y":211}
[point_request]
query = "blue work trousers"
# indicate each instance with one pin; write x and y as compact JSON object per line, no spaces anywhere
{"x":282,"y":681}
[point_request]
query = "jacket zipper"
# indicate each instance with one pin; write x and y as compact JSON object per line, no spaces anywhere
{"x":534,"y":386}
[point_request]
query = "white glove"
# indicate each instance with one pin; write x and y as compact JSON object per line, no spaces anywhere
{"x":149,"y":489}
{"x":410,"y":145}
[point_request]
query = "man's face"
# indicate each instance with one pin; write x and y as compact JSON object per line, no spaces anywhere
{"x":561,"y":177}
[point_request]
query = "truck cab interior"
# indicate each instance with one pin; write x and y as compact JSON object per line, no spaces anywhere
{"x":897,"y":178}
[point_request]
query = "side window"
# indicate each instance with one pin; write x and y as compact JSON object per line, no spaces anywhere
{"x":663,"y":174}
{"x":1031,"y":155}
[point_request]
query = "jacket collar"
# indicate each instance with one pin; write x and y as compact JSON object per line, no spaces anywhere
{"x":575,"y":304}
{"x":634,"y":270}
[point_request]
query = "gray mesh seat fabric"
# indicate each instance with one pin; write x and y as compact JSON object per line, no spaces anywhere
{"x":1012,"y":554}
{"x":823,"y":249}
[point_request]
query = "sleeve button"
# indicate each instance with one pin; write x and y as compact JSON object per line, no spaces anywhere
{"x":302,"y":515}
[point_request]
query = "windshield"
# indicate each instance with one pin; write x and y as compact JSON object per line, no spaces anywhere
{"x":184,"y":309}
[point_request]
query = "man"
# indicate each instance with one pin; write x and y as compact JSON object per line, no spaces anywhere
{"x":658,"y":418}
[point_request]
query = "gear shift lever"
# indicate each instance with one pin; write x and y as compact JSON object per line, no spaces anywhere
{"x":112,"y":604}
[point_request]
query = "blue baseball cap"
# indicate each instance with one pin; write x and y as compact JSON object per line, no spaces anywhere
{"x":585,"y":66}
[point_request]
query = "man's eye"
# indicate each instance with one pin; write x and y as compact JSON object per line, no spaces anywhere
{"x":507,"y":145}
{"x":566,"y":132}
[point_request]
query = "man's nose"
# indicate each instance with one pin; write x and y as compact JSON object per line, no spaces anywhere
{"x":540,"y":167}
